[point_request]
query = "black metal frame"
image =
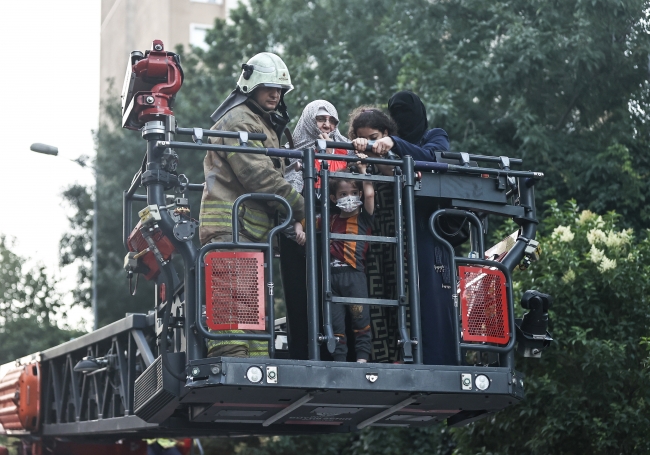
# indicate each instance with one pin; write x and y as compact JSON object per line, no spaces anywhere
{"x":410,"y":351}
{"x":71,"y":397}
{"x":267,"y":248}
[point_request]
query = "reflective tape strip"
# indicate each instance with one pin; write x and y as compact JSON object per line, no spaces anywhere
{"x":293,"y":197}
{"x":259,"y":144}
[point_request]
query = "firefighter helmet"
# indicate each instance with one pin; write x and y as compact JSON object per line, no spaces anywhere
{"x":267,"y":70}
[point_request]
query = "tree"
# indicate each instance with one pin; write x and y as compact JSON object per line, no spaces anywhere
{"x":29,"y":305}
{"x":76,"y":243}
{"x":563,"y":85}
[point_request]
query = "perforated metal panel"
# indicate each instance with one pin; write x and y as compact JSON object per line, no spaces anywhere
{"x":484,"y":305}
{"x":234,"y":290}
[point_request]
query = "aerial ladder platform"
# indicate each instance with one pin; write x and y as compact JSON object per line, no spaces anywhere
{"x":148,"y":375}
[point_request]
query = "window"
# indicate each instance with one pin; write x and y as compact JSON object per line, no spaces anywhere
{"x":197,"y":35}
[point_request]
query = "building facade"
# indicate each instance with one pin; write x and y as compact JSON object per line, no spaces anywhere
{"x":128,"y":25}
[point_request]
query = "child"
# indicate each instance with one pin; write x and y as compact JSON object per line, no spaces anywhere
{"x":348,"y":260}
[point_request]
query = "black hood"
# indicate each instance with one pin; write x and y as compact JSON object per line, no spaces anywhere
{"x":409,"y":113}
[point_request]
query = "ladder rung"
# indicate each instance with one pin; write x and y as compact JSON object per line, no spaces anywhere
{"x":365,"y":238}
{"x":358,"y":301}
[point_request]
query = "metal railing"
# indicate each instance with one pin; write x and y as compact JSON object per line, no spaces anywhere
{"x":404,"y":181}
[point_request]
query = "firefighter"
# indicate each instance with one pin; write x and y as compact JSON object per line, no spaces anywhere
{"x":256,"y":106}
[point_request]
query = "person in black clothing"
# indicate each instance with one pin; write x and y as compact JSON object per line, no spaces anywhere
{"x":436,"y":305}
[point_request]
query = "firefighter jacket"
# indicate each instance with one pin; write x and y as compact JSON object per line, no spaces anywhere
{"x":229,"y":175}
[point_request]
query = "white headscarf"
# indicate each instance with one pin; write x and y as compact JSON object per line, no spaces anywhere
{"x":306,"y":133}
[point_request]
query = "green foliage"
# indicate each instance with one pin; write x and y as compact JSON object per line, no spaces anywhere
{"x":26,"y":335}
{"x":386,"y":441}
{"x":589,"y":393}
{"x":29,"y":304}
{"x":25,"y":292}
{"x":76,"y":243}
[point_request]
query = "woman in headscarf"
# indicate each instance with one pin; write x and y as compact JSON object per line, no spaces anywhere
{"x":319,"y":120}
{"x":413,"y":136}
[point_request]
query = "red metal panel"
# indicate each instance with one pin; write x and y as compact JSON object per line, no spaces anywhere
{"x":234,"y":290}
{"x":484,"y":305}
{"x":138,"y":244}
{"x":20,"y":398}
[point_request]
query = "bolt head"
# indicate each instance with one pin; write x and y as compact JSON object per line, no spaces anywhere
{"x":158,"y":47}
{"x":196,"y":371}
{"x":215,"y":369}
{"x":149,"y":99}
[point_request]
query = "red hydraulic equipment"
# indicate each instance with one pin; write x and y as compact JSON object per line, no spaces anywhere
{"x":150,"y":85}
{"x":20,"y":392}
{"x":146,"y":248}
{"x":234,"y":289}
{"x":484,"y":305}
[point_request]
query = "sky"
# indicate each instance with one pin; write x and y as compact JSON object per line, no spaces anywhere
{"x":50,"y":81}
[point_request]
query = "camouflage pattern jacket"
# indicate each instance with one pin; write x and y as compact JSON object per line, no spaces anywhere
{"x":229,"y":175}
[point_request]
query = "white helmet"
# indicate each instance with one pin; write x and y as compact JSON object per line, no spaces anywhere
{"x":267,"y":70}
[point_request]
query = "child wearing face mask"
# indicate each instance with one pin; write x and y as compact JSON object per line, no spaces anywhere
{"x":348,"y":260}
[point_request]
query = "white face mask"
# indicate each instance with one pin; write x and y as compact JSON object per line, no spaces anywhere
{"x":349,"y":203}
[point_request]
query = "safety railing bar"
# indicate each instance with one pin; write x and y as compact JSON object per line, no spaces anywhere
{"x":330,"y":339}
{"x":408,"y":193}
{"x":445,"y":167}
{"x":361,"y":301}
{"x":484,"y":158}
{"x":313,"y":326}
{"x":365,"y":238}
{"x":288,"y":153}
{"x":405,"y":336}
{"x":195,"y":186}
{"x":219,"y":133}
{"x":143,"y":347}
{"x":328,"y":157}
{"x":476,"y":221}
{"x":267,"y":249}
{"x":135,"y":184}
